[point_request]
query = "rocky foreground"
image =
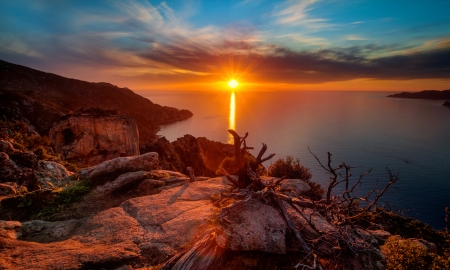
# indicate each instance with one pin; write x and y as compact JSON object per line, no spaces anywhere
{"x":145,"y":232}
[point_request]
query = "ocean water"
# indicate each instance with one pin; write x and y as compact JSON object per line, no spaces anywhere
{"x":364,"y":129}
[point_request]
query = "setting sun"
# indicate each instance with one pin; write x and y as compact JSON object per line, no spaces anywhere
{"x":233,"y":83}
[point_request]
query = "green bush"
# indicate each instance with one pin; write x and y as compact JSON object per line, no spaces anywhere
{"x":292,"y":169}
{"x":408,"y":255}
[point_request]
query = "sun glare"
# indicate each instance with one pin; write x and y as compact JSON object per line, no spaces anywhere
{"x":233,"y":83}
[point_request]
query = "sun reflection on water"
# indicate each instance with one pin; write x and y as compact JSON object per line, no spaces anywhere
{"x":232,"y":118}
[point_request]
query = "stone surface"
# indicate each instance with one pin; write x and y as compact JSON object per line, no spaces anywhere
{"x":253,"y":226}
{"x":150,"y":184}
{"x":431,"y":247}
{"x":10,"y":229}
{"x":380,"y":234}
{"x":46,"y":231}
{"x":6,"y":189}
{"x":295,"y":186}
{"x":149,"y":228}
{"x":51,"y":174}
{"x":90,"y":140}
{"x":125,"y":180}
{"x":113,"y":168}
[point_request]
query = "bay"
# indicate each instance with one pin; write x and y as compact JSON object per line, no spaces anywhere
{"x":410,"y":137}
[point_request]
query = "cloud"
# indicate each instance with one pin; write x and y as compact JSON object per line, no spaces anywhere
{"x":151,"y":43}
{"x":295,"y":13}
{"x":355,"y":37}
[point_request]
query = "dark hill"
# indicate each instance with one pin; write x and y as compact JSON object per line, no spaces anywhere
{"x":426,"y":94}
{"x":41,"y":98}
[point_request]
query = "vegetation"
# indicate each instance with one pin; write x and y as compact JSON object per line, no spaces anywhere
{"x":64,"y":199}
{"x":408,"y":255}
{"x":291,"y":168}
{"x":94,"y":111}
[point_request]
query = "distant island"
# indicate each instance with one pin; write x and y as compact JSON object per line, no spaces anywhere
{"x":426,"y":94}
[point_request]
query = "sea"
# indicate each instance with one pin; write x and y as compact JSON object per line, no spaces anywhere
{"x":366,"y":130}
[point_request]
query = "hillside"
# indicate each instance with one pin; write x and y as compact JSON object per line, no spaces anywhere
{"x":41,"y":98}
{"x":426,"y":94}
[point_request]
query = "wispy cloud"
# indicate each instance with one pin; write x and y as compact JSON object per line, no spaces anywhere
{"x":355,"y":37}
{"x":294,"y":13}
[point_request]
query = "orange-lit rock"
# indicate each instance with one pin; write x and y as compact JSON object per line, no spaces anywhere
{"x":89,"y":140}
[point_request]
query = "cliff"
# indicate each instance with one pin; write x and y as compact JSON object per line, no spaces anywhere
{"x":203,"y":155}
{"x":89,"y":140}
{"x":41,"y":98}
{"x":426,"y":94}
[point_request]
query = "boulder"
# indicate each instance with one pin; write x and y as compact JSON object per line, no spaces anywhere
{"x":89,"y":140}
{"x":124,"y":180}
{"x":253,"y":226}
{"x":295,"y":186}
{"x":431,"y":247}
{"x":10,"y":229}
{"x":51,"y":174}
{"x":111,"y":169}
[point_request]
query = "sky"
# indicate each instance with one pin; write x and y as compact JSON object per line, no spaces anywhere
{"x":265,"y":45}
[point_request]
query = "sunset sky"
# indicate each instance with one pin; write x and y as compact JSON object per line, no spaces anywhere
{"x":265,"y":45}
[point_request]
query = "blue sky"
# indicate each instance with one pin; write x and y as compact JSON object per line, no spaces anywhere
{"x":197,"y":44}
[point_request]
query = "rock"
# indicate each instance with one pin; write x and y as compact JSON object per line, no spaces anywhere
{"x":446,"y":104}
{"x":111,"y":169}
{"x":431,"y":247}
{"x":295,"y":186}
{"x":150,"y":184}
{"x":253,"y":226}
{"x":90,"y":140}
{"x":380,"y":234}
{"x":46,"y":231}
{"x":11,"y":172}
{"x":149,"y":228}
{"x":10,"y":229}
{"x":51,"y":174}
{"x":6,"y":189}
{"x":6,"y":146}
{"x":120,"y":183}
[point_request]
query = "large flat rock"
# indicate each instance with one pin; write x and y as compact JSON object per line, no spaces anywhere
{"x":149,"y":229}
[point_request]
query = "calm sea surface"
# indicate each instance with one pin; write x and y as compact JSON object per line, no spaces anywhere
{"x":365,"y":129}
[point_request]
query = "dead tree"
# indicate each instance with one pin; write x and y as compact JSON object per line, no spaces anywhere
{"x":341,"y":211}
{"x":243,"y":166}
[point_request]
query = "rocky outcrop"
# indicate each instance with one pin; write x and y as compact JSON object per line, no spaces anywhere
{"x":17,"y":166}
{"x":111,"y":169}
{"x":41,"y":98}
{"x":203,"y":155}
{"x":90,"y":140}
{"x":24,"y":169}
{"x":147,"y":231}
{"x":446,"y":104}
{"x":142,"y":231}
{"x":50,"y":174}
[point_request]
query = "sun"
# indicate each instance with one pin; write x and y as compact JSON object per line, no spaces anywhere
{"x":233,"y":83}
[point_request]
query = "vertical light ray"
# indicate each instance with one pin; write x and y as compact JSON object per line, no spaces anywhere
{"x":232,"y":118}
